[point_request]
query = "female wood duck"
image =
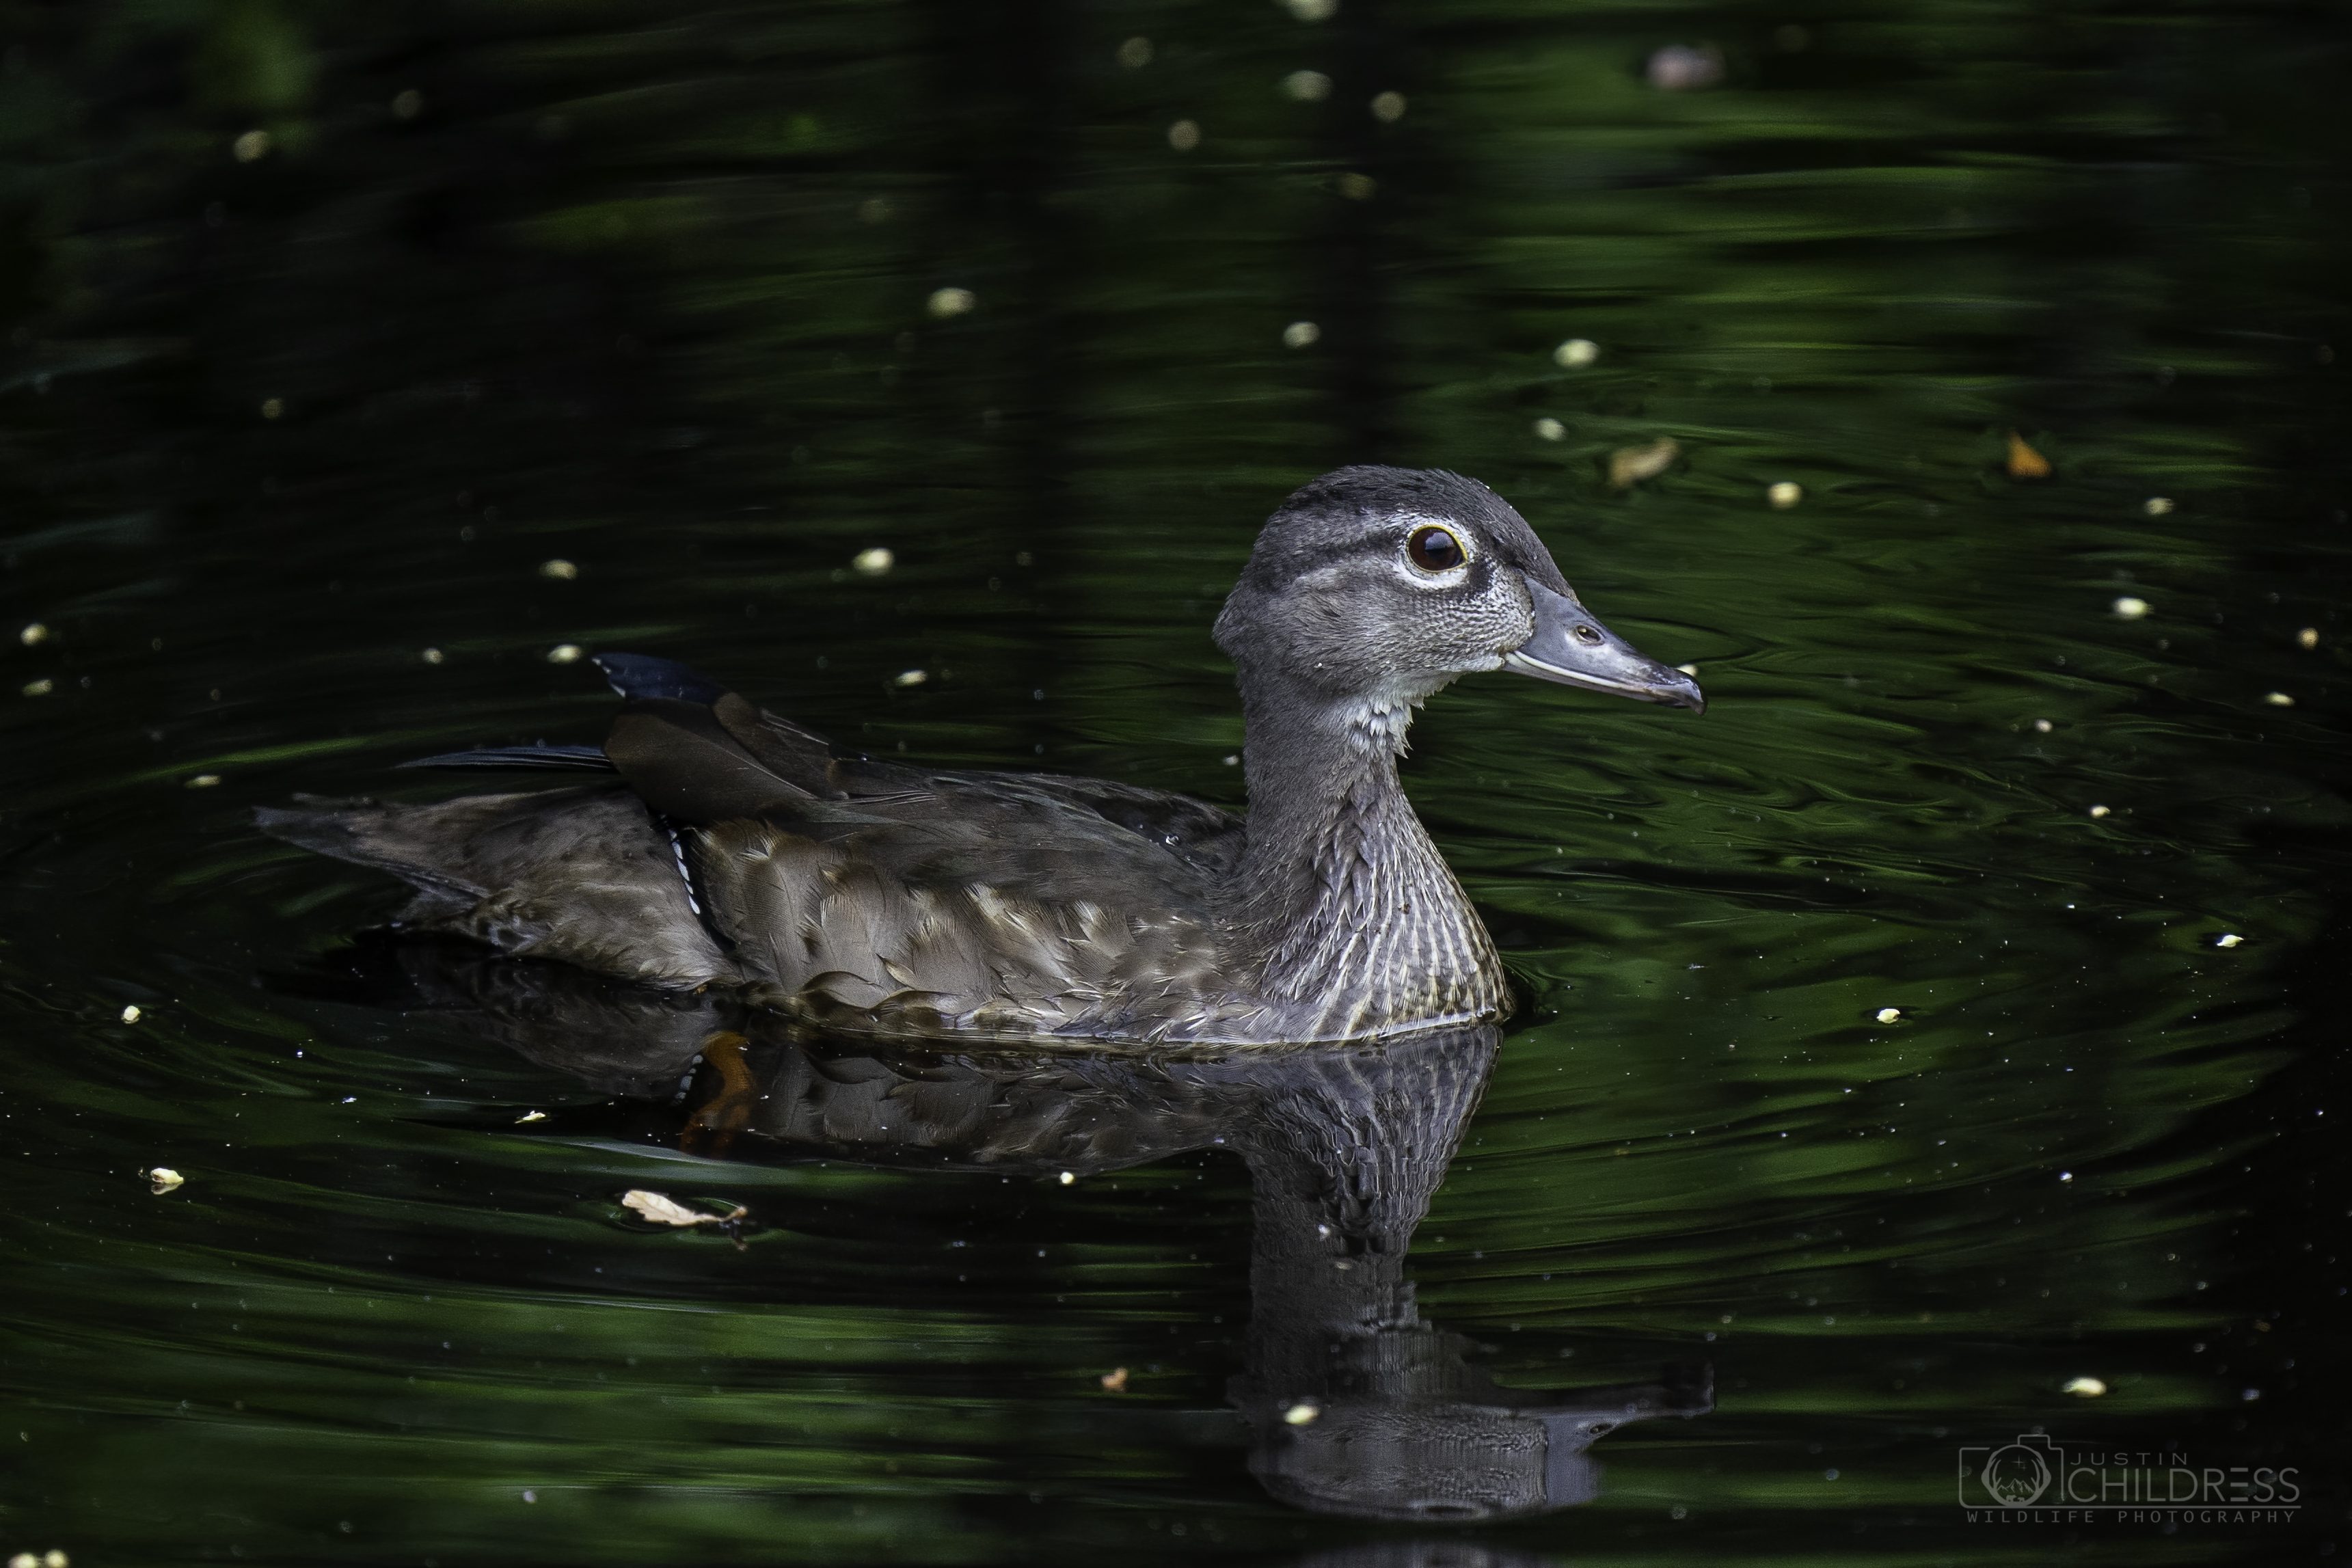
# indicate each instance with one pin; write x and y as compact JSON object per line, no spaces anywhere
{"x":737,"y":849}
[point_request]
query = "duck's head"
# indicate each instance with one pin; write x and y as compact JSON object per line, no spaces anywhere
{"x":1382,"y":585}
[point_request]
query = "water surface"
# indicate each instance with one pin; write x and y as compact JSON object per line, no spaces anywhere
{"x":292,"y":426}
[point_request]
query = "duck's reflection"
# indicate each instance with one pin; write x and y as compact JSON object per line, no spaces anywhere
{"x":1355,"y":1404}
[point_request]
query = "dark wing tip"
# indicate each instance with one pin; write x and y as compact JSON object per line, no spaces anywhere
{"x":589,"y":759}
{"x":641,"y":676}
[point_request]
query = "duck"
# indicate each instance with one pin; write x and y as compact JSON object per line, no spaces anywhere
{"x":723,"y":846}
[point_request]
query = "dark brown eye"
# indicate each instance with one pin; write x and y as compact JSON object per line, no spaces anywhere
{"x":1433,"y":549}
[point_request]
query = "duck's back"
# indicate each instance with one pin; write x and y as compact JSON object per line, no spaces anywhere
{"x":740,"y":848}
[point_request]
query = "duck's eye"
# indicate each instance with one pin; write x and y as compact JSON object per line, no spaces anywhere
{"x":1588,"y":634}
{"x":1433,"y":549}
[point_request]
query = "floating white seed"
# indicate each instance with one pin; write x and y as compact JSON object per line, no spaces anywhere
{"x":1300,"y":1413}
{"x":1135,"y":54}
{"x":40,"y":687}
{"x":37,"y":634}
{"x":131,"y":1014}
{"x":2129,"y":608}
{"x":910,"y":677}
{"x":162,"y":1179}
{"x":2157,"y":506}
{"x":2098,"y":811}
{"x":2307,"y":637}
{"x":1785,"y":495}
{"x":946,"y":302}
{"x":1550,"y":430}
{"x":2084,"y":1387}
{"x":528,"y":1117}
{"x":1576,"y":352}
{"x":1312,"y":10}
{"x":205,"y":781}
{"x":1301,"y":334}
{"x":1184,"y":135}
{"x":432,"y":656}
{"x":273,"y":407}
{"x":1388,"y":107}
{"x":1889,"y":1015}
{"x":2227,"y":939}
{"x":1307,"y":87}
{"x":2278,"y":700}
{"x":564,"y":653}
{"x":2041,"y":726}
{"x":253,"y":144}
{"x":874,"y":562}
{"x":1068,"y":1178}
{"x":562,"y":570}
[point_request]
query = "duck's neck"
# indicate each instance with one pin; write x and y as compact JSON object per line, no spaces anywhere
{"x":1344,"y":901}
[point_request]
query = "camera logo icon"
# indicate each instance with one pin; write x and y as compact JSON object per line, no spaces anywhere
{"x":2015,"y":1474}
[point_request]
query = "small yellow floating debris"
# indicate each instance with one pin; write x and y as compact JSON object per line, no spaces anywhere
{"x":205,"y":781}
{"x":1135,"y":54}
{"x":910,"y":677}
{"x":35,"y":634}
{"x":2157,"y":506}
{"x":1301,"y":334}
{"x":1115,"y":1380}
{"x":527,"y":1117}
{"x":1550,"y":430}
{"x":946,"y":302}
{"x":1357,"y":185}
{"x":40,"y":687}
{"x":273,"y":407}
{"x":2084,"y":1387}
{"x":560,"y":570}
{"x":1784,"y":495}
{"x":2129,"y":608}
{"x":52,"y":1557}
{"x":663,"y":1209}
{"x":1689,"y":669}
{"x":1302,"y":1413}
{"x":2024,"y":462}
{"x":253,"y":144}
{"x":1629,"y":466}
{"x":2227,"y":939}
{"x":432,"y":656}
{"x":1890,"y":1015}
{"x":2099,"y":811}
{"x":564,"y":653}
{"x":1307,"y":87}
{"x":874,"y":562}
{"x":1575,"y":353}
{"x":2278,"y":700}
{"x":1388,"y":107}
{"x":1312,"y":10}
{"x":162,"y":1179}
{"x":2307,"y":639}
{"x":131,"y":1014}
{"x":1068,"y":1178}
{"x":2041,"y":726}
{"x":1184,"y":135}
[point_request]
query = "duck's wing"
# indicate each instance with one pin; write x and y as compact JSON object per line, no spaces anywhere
{"x":880,"y":885}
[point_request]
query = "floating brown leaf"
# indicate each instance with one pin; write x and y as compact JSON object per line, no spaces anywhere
{"x":2024,"y":462}
{"x":1629,"y":466}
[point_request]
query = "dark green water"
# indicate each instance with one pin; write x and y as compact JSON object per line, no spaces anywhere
{"x":647,"y":289}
